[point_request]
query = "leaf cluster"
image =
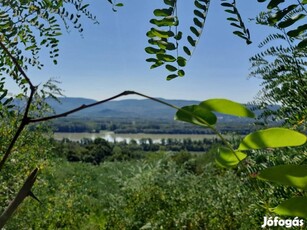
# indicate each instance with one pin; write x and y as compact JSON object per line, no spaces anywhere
{"x":165,"y":37}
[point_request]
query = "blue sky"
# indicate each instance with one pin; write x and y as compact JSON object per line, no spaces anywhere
{"x":110,"y":57}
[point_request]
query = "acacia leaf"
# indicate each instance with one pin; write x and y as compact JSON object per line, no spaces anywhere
{"x":197,"y":115}
{"x":295,"y":206}
{"x":226,"y":158}
{"x":291,"y":175}
{"x":272,"y":138}
{"x":227,"y":107}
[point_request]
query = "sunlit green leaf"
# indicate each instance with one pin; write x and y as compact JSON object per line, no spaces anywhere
{"x":163,"y":12}
{"x":227,"y":158}
{"x":169,"y":21}
{"x":196,"y":115}
{"x":296,"y":206}
{"x":227,"y":107}
{"x":162,"y":33}
{"x":157,"y":64}
{"x":272,"y":138}
{"x":291,"y":175}
{"x":166,"y":57}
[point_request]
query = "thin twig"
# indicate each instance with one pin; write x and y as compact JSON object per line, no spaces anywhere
{"x":32,"y":87}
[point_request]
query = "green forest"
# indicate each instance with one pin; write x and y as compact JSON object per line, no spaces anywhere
{"x":251,"y":175}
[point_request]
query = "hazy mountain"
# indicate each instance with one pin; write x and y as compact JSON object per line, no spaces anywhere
{"x":129,"y":108}
{"x":144,"y":108}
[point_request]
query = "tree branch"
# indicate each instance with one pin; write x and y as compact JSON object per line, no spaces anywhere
{"x":21,"y":195}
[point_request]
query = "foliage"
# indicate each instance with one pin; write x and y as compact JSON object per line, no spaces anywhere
{"x":167,"y":45}
{"x":134,"y":194}
{"x":27,"y":154}
{"x":230,"y":156}
{"x":282,"y":63}
{"x":21,"y":47}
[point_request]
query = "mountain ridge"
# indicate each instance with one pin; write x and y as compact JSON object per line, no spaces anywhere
{"x":127,"y":108}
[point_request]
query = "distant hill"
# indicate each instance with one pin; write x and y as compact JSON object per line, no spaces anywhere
{"x":131,"y":108}
{"x":128,"y":108}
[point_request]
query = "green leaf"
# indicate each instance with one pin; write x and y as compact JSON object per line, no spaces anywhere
{"x":195,"y":31}
{"x":169,"y":2}
{"x":196,"y":115}
{"x":151,"y":50}
{"x":291,"y":175}
{"x":232,"y":19}
{"x":200,"y":6}
{"x":162,"y":33}
{"x":296,"y":206}
{"x":198,"y":23}
{"x":274,"y":3}
{"x":157,"y":64}
{"x":291,"y":21}
{"x":181,"y":61}
{"x":178,"y":36}
{"x":181,"y":73}
{"x":171,"y":76}
{"x":171,"y":68}
{"x":166,"y":57}
{"x":191,"y":41}
{"x":272,"y":138}
{"x":227,"y":107}
{"x":280,"y":14}
{"x":226,"y":158}
{"x":169,"y":21}
{"x":226,"y":4}
{"x":199,"y":14}
{"x":187,"y":50}
{"x":163,"y":12}
{"x":151,"y":60}
{"x":299,"y":30}
{"x":302,"y":44}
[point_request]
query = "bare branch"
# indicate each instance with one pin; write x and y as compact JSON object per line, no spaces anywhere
{"x":21,"y":195}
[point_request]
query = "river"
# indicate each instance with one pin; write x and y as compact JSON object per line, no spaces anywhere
{"x":111,"y":136}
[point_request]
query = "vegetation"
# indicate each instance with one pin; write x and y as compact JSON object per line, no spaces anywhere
{"x":161,"y":191}
{"x":99,"y":150}
{"x":140,"y":125}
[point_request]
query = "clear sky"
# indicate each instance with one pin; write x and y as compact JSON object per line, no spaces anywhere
{"x":110,"y":58}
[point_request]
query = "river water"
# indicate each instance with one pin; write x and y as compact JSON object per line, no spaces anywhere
{"x":111,"y":136}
